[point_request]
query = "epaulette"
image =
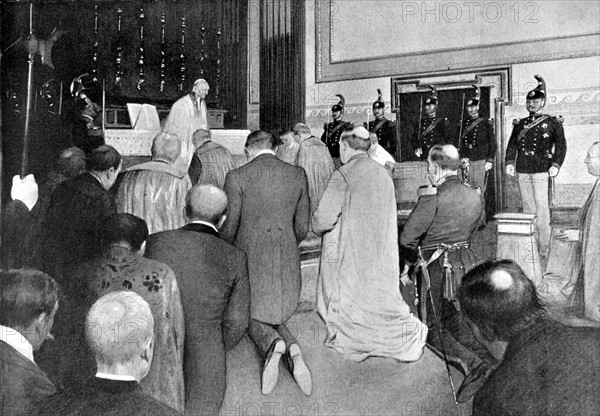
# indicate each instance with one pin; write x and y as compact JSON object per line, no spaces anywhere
{"x":559,"y":119}
{"x":426,"y":190}
{"x":516,"y":122}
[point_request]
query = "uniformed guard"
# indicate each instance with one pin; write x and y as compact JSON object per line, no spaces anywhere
{"x":536,"y":150}
{"x":477,"y":146}
{"x":333,"y":130}
{"x":430,"y":129}
{"x":384,"y":129}
{"x":437,"y":235}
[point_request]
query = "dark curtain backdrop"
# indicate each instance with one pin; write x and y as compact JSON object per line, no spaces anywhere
{"x":222,"y":62}
{"x":281,"y":64}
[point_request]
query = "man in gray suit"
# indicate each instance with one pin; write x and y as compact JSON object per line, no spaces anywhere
{"x":267,"y":217}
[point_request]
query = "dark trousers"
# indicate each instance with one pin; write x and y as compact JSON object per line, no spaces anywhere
{"x":263,"y":335}
{"x":454,"y":334}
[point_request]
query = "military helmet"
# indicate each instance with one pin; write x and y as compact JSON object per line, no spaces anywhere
{"x":475,"y":97}
{"x":431,"y":97}
{"x":340,"y":105}
{"x":539,"y":91}
{"x":379,"y":102}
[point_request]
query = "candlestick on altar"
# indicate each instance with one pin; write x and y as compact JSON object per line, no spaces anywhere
{"x":103,"y":107}
{"x":60,"y":99}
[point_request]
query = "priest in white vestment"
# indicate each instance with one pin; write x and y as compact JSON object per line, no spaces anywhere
{"x":187,"y":115}
{"x":358,"y":293}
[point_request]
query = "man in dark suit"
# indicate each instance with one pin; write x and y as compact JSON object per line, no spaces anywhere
{"x":76,"y":208}
{"x":267,"y":217}
{"x":536,"y":150}
{"x":119,"y":329}
{"x":28,"y":303}
{"x":213,"y":280}
{"x":548,"y":368}
{"x":441,"y":226}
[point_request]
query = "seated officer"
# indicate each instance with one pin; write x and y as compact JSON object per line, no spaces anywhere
{"x":440,"y":227}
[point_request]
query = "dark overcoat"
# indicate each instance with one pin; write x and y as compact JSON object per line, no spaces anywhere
{"x":267,"y":217}
{"x":22,"y":383}
{"x":102,"y":397}
{"x":77,"y":207}
{"x":213,"y":282}
{"x":550,"y":369}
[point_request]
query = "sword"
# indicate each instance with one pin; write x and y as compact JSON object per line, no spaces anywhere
{"x":419,"y":125}
{"x":426,"y":285}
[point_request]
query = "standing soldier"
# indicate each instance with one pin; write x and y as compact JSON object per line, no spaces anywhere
{"x":477,"y":147}
{"x":384,"y":129}
{"x":536,"y":150}
{"x":430,"y":130}
{"x":332,"y":131}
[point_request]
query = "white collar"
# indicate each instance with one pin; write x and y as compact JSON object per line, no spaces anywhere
{"x":205,"y":223}
{"x":16,"y":340}
{"x":264,"y":152}
{"x":116,"y":377}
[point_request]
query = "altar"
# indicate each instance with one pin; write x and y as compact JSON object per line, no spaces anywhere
{"x":139,"y":142}
{"x":132,"y":130}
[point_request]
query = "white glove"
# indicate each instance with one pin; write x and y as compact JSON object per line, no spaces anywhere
{"x":510,"y":170}
{"x":404,"y":278}
{"x":567,"y":235}
{"x":24,"y":190}
{"x":419,"y":152}
{"x":553,"y":171}
{"x":488,"y":166}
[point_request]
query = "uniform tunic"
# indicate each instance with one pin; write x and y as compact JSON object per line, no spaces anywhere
{"x":358,"y":293}
{"x":425,"y":140}
{"x":331,"y":135}
{"x":542,"y":146}
{"x":478,"y":142}
{"x":386,"y":134}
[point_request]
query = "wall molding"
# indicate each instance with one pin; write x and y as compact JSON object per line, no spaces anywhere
{"x":532,"y":50}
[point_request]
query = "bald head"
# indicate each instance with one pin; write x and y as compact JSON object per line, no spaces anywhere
{"x":71,"y":162}
{"x":205,"y":203}
{"x":166,"y":147}
{"x":301,"y":129}
{"x":499,"y":295}
{"x":119,"y":329}
{"x":200,"y":137}
{"x":445,"y":156}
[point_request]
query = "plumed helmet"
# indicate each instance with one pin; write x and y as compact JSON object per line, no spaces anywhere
{"x":379,"y":102}
{"x":340,"y":105}
{"x":539,"y":91}
{"x":431,"y":97}
{"x":475,"y":97}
